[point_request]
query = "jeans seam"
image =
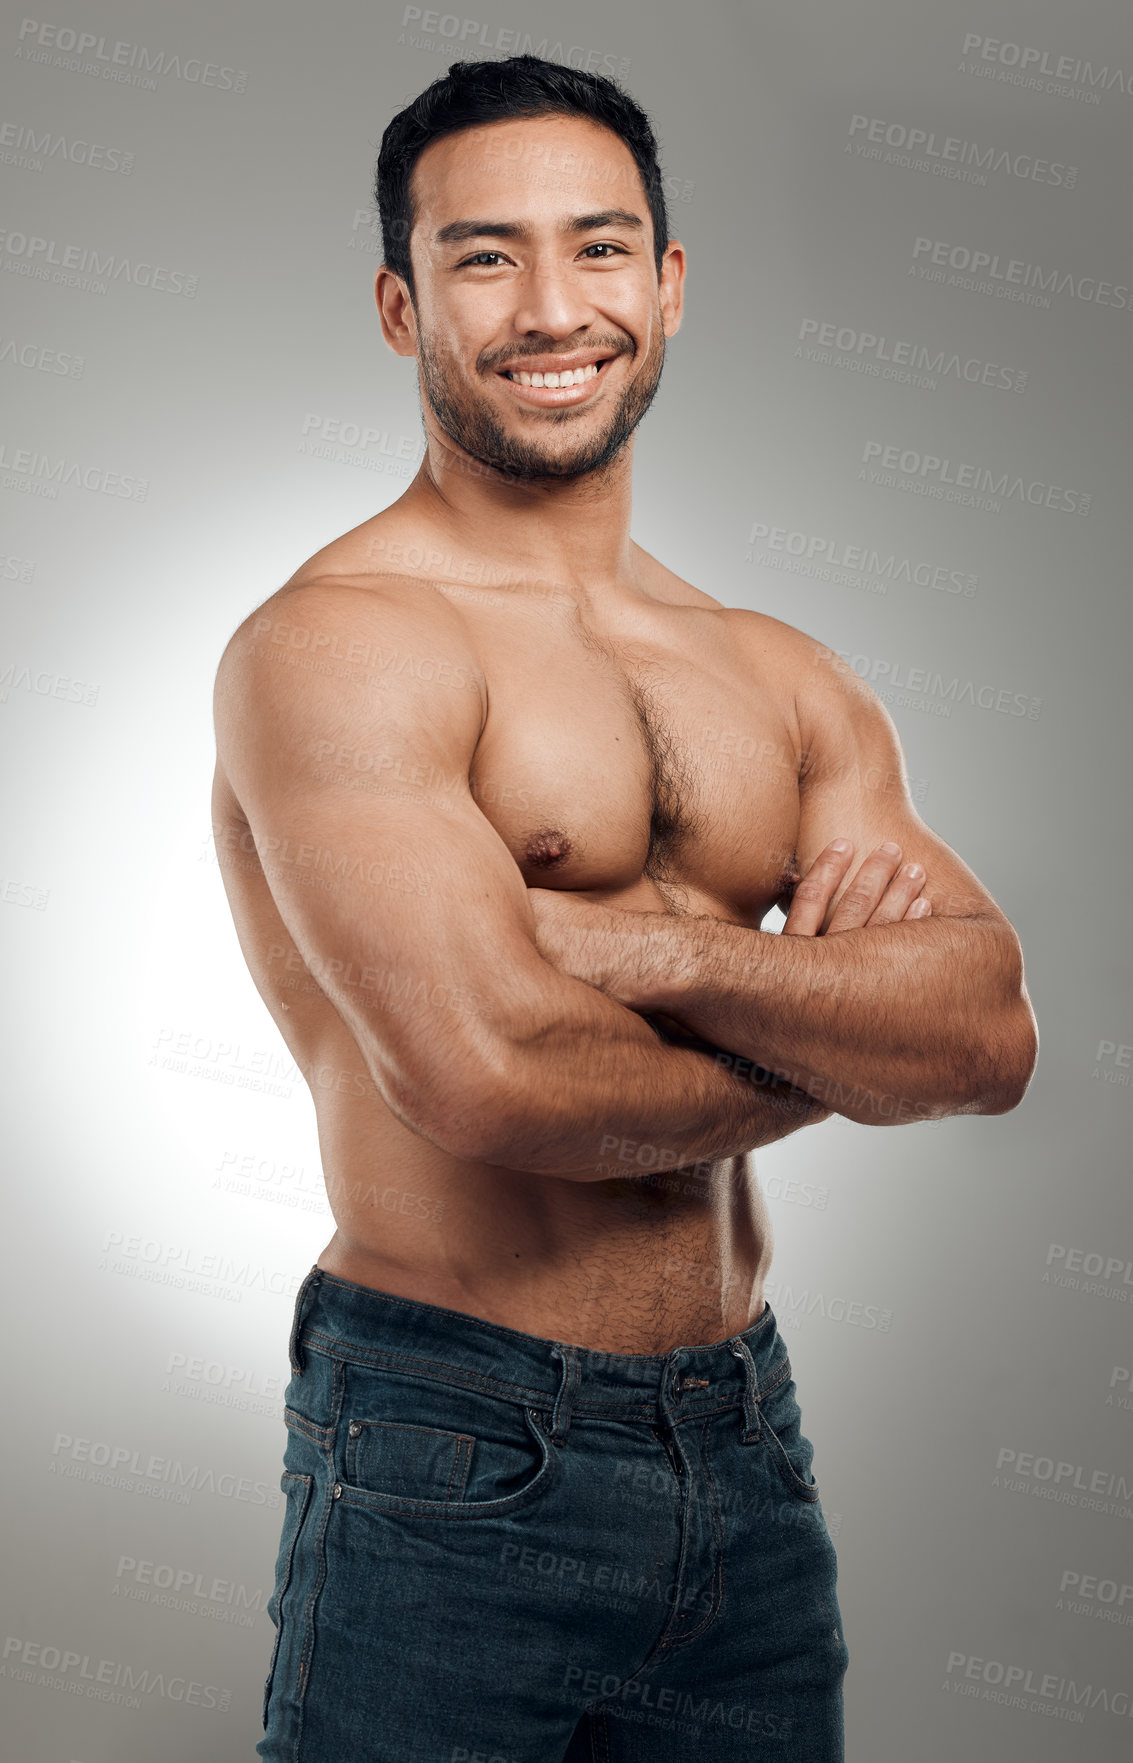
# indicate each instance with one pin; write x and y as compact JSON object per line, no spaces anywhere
{"x":366,"y":1500}
{"x":600,"y":1736}
{"x":462,"y":1461}
{"x":807,"y":1491}
{"x":370,"y":1499}
{"x":318,"y":1435}
{"x":303,"y":1677}
{"x":288,"y":1579}
{"x":440,"y":1371}
{"x":437,"y":1370}
{"x":717,"y":1565}
{"x":670,"y":1642}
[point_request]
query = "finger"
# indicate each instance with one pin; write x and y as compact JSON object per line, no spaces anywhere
{"x":813,"y":894}
{"x":864,"y":893}
{"x":905,"y":887}
{"x":920,"y":908}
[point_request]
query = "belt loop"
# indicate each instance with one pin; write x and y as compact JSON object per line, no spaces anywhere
{"x":294,"y":1351}
{"x":751,"y":1389}
{"x":568,"y":1388}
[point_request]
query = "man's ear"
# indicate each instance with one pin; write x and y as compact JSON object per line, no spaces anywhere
{"x":672,"y":286}
{"x":396,"y":312}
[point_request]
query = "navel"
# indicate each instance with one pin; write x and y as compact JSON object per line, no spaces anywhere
{"x":547,"y":848}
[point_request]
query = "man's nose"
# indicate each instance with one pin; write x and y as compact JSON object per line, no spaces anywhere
{"x":551,"y":301}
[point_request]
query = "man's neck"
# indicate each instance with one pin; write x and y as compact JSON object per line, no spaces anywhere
{"x":569,"y":530}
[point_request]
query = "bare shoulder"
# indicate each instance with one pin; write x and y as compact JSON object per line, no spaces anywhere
{"x":346,"y":663}
{"x":354,"y":621}
{"x":776,"y":642}
{"x":800,"y":662}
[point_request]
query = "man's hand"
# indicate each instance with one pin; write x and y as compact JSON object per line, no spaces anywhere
{"x":595,"y":943}
{"x":882,"y":892}
{"x":607,"y":947}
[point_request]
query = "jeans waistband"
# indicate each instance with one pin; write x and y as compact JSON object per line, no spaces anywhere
{"x":361,"y":1323}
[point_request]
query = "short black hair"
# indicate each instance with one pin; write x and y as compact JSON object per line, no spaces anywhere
{"x":473,"y":93}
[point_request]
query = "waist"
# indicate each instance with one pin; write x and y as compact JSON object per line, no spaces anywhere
{"x":367,"y":1326}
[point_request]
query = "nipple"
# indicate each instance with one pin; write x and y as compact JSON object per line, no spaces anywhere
{"x":546,"y":848}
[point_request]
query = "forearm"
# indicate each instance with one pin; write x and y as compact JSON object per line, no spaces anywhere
{"x":888,"y":1023}
{"x":595,"y":1093}
{"x":632,"y":1102}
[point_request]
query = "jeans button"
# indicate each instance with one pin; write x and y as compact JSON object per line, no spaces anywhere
{"x":355,"y":1428}
{"x":336,"y":1491}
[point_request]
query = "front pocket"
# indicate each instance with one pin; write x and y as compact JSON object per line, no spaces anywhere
{"x":415,"y":1462}
{"x":781,"y":1432}
{"x":296,"y":1490}
{"x":420,"y":1445}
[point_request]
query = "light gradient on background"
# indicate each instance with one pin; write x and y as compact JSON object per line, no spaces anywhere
{"x":195,"y":398}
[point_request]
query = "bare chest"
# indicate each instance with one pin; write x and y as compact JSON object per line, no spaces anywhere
{"x":644,"y":758}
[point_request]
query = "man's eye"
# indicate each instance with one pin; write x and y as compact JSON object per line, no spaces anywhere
{"x":604,"y":245}
{"x":477,"y":258}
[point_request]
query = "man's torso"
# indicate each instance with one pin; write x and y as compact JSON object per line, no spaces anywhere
{"x":642,"y":749}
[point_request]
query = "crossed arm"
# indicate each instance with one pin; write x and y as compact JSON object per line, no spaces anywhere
{"x":519,"y":1064}
{"x":896,"y":990}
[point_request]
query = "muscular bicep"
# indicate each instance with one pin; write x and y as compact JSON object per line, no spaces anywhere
{"x":853,"y":784}
{"x":403,"y":901}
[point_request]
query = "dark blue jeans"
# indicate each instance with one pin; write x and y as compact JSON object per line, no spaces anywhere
{"x":503,"y":1549}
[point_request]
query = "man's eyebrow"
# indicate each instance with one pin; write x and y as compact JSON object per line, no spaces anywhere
{"x":457,"y":231}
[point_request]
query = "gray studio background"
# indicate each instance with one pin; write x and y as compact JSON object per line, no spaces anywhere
{"x":897,"y":417}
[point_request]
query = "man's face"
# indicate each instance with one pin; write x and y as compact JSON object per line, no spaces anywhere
{"x":533,"y":254}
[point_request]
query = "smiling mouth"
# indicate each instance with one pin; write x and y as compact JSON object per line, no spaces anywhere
{"x":564,"y":379}
{"x":569,"y":377}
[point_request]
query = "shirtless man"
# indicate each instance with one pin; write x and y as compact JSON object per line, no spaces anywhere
{"x":501,"y":803}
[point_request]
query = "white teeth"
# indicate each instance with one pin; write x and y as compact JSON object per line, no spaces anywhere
{"x":569,"y":377}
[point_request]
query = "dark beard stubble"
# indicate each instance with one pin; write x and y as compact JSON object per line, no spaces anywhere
{"x":475,"y":428}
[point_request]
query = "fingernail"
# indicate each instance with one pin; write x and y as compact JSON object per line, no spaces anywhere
{"x":840,"y":845}
{"x":890,"y":849}
{"x":920,"y":909}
